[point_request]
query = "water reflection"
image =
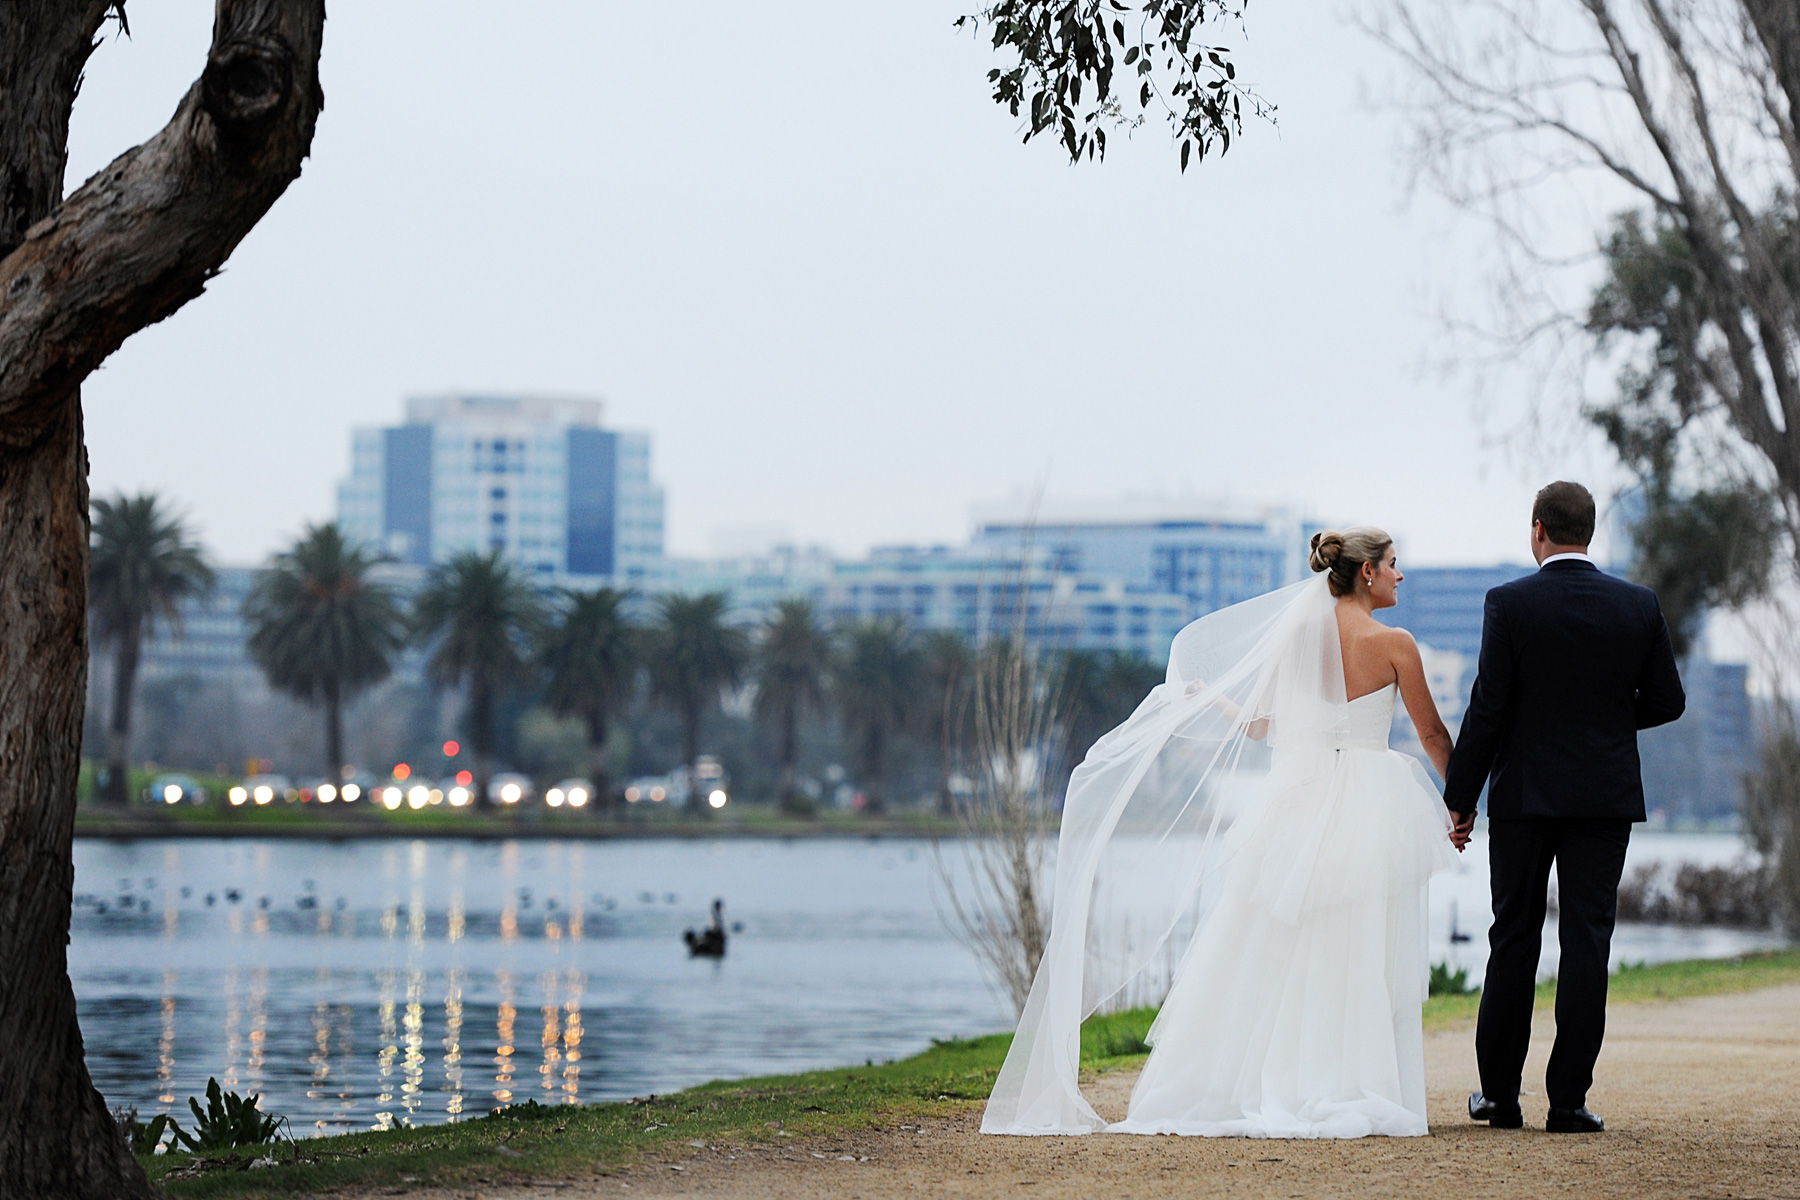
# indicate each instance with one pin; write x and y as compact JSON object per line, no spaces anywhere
{"x":504,"y":1022}
{"x":452,"y":1043}
{"x":391,"y":983}
{"x":165,"y":1045}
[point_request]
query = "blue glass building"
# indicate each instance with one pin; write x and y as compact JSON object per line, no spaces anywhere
{"x":1693,"y":768}
{"x":535,"y":478}
{"x":1211,"y":556}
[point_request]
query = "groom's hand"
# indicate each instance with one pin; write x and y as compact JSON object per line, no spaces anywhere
{"x":1461,"y":830}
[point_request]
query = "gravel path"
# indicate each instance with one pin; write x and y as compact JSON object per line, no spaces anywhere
{"x":1701,"y":1097}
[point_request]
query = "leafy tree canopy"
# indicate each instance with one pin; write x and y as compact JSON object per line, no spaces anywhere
{"x":1068,"y":59}
{"x":143,"y":563}
{"x":1700,"y":545}
{"x":479,"y":614}
{"x":319,"y":623}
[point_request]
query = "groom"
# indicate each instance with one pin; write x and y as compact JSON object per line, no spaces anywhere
{"x":1573,"y":663}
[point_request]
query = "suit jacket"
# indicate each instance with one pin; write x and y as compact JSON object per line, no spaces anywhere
{"x":1573,"y":663}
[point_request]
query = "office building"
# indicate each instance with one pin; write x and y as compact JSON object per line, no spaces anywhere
{"x":983,"y":592}
{"x":536,"y":478}
{"x":1211,"y":555}
{"x":1692,"y":767}
{"x":1442,"y":606}
{"x":207,"y":643}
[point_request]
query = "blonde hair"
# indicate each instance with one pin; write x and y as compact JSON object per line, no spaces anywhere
{"x":1342,"y":554}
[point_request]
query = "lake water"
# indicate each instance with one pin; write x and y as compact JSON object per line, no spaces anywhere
{"x":373,"y":983}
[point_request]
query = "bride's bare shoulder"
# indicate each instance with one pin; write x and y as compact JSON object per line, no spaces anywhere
{"x":1359,"y":623}
{"x":1398,"y":635}
{"x":1401,"y":647}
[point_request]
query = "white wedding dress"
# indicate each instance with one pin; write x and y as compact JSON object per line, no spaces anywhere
{"x":1252,"y":828}
{"x":1296,"y":1010}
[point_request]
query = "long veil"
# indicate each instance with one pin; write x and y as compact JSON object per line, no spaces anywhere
{"x":1146,"y":826}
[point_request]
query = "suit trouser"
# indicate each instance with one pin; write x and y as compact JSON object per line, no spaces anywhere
{"x":1589,"y":855}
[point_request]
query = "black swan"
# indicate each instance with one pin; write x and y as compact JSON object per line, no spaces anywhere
{"x":708,"y":942}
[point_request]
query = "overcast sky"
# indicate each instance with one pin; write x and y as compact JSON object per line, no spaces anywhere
{"x":800,"y":246}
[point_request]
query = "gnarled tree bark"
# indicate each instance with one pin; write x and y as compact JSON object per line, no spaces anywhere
{"x":78,"y":277}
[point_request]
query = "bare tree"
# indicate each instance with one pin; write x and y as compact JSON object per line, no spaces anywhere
{"x":994,"y":877}
{"x":1685,"y":108}
{"x":77,"y":277}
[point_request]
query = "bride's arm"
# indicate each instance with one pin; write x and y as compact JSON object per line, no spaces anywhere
{"x":1423,"y":710}
{"x":1234,"y":712}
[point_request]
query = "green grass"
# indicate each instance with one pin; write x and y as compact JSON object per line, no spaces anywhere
{"x":557,"y":1141}
{"x":950,"y":1078}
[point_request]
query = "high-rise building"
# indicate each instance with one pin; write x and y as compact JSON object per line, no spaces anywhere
{"x":1442,"y":606}
{"x":207,"y":640}
{"x":1692,"y":767}
{"x":1213,"y":555}
{"x":983,"y":592}
{"x":536,"y":478}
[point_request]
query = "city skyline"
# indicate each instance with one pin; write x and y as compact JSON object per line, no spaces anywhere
{"x":367,"y":512}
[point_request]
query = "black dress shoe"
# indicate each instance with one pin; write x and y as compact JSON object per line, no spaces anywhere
{"x":1573,"y":1120}
{"x":1498,"y":1115}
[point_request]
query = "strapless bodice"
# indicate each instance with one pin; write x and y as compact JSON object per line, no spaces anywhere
{"x":1368,"y":719}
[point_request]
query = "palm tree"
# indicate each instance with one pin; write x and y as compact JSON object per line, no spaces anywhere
{"x":142,"y":563}
{"x":876,"y":674}
{"x":588,"y":659}
{"x":694,"y":656}
{"x":479,"y":615}
{"x":322,"y":630}
{"x":791,"y":664}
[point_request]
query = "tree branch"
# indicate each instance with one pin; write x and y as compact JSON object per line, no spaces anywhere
{"x":1764,"y":293}
{"x":143,"y":237}
{"x":43,"y":46}
{"x":1777,"y":26}
{"x":1510,"y":109}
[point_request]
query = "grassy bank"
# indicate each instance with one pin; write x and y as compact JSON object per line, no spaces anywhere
{"x":949,"y":1078}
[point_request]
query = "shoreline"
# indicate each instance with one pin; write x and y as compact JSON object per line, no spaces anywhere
{"x":804,"y":1134}
{"x":151,"y":825}
{"x":133,"y":829}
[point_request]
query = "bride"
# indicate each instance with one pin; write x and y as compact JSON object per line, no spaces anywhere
{"x":1248,"y":837}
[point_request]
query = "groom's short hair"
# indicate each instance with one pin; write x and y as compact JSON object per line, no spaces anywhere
{"x":1567,"y":512}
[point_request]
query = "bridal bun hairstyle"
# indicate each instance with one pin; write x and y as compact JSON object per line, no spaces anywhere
{"x":1341,"y":554}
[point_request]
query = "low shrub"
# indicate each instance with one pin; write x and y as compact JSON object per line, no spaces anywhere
{"x":227,"y":1122}
{"x":1445,"y":982}
{"x":1738,"y":895}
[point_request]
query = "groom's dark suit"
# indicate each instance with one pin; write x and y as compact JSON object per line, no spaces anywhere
{"x":1573,"y":663}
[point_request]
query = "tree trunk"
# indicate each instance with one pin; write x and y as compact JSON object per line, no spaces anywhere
{"x":130,"y":247}
{"x":118,"y":731}
{"x":874,"y":760}
{"x":334,"y":734}
{"x":690,"y":748}
{"x":481,"y":741}
{"x":56,"y":1137}
{"x":603,"y":791}
{"x":789,"y":794}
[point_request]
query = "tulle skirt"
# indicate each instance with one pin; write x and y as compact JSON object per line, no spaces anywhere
{"x":1296,"y":1009}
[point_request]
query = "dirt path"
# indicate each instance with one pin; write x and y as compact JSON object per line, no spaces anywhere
{"x":1701,"y":1097}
